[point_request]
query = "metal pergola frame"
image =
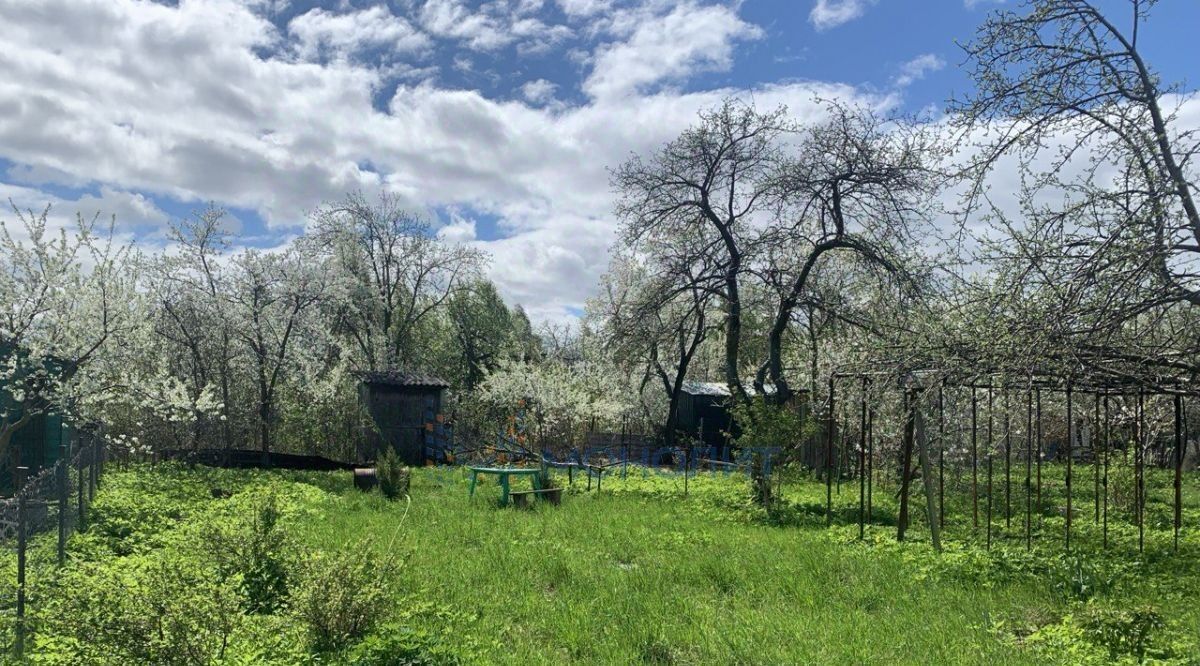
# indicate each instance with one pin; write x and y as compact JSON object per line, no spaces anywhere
{"x":1032,"y":384}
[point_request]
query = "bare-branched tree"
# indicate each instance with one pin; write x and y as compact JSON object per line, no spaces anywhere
{"x":859,"y":184}
{"x":1104,"y":230}
{"x":718,"y":176}
{"x":395,"y":272}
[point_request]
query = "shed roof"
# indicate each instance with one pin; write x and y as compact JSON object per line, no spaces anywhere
{"x":719,"y":389}
{"x":399,"y":378}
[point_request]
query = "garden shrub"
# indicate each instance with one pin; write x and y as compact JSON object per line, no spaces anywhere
{"x":421,"y":632}
{"x":1098,"y":634}
{"x":547,"y":480}
{"x":396,"y":645}
{"x":164,"y":609}
{"x":393,"y":475}
{"x":1079,"y":578}
{"x":1122,"y":631}
{"x":341,"y":595}
{"x":257,"y":550}
{"x":763,"y":426}
{"x":269,"y":640}
{"x":139,"y":510}
{"x":1059,"y":643}
{"x":129,"y":517}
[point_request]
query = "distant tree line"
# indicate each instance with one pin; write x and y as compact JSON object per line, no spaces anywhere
{"x":204,"y":345}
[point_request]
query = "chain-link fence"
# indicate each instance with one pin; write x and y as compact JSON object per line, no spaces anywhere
{"x":53,"y":499}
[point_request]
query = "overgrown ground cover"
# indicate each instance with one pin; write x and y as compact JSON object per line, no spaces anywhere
{"x":290,"y":568}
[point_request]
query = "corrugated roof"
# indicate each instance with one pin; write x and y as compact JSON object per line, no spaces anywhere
{"x":399,"y":378}
{"x":720,"y":389}
{"x":705,"y":388}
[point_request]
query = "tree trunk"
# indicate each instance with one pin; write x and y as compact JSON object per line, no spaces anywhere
{"x":783,"y":317}
{"x":672,"y":419}
{"x":733,"y":333}
{"x":264,"y":415}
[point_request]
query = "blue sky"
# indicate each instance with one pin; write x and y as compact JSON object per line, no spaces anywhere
{"x":496,"y":118}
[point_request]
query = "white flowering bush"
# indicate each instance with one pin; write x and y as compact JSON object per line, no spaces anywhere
{"x":560,"y":400}
{"x":157,"y":410}
{"x":322,"y":413}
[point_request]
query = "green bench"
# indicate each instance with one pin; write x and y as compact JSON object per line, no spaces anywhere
{"x":521,"y":498}
{"x":504,"y":473}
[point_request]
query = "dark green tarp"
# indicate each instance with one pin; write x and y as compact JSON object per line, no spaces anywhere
{"x":37,"y":444}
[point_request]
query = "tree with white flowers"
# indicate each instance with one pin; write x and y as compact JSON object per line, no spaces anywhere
{"x":562,"y":400}
{"x":70,"y":301}
{"x":193,"y":334}
{"x":270,"y":299}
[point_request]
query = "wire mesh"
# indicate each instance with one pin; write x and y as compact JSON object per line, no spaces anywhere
{"x":59,"y":488}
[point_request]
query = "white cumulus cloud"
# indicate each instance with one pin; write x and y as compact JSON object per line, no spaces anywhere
{"x":319,"y":32}
{"x":916,"y":69}
{"x":539,"y":91}
{"x":688,"y":39}
{"x":827,"y":14}
{"x":207,"y":101}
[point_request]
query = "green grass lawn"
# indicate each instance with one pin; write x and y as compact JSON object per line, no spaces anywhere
{"x":639,"y":573}
{"x":620,"y":578}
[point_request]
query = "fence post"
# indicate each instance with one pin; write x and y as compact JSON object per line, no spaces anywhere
{"x":79,"y":487}
{"x":1071,"y":432}
{"x":829,"y":456}
{"x":910,"y":409}
{"x":101,"y":454}
{"x":1178,"y":481}
{"x":60,"y":476}
{"x":870,"y":462}
{"x":93,"y":457}
{"x":19,"y":644}
{"x":862,"y":459}
{"x":625,"y":442}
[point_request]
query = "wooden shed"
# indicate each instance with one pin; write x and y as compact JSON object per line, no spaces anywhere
{"x":705,"y":404}
{"x":406,"y":410}
{"x":704,"y":413}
